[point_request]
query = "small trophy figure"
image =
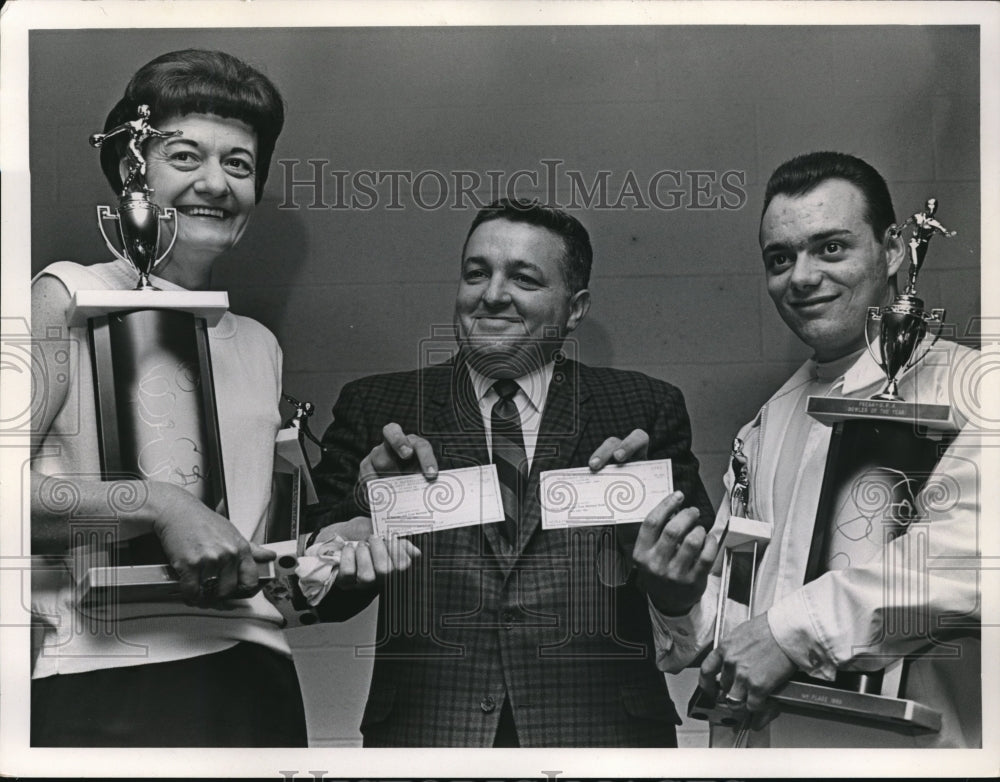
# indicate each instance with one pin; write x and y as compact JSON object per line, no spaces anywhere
{"x":138,"y":218}
{"x":739,"y":497}
{"x":139,"y":132}
{"x":903,"y":324}
{"x":924,"y":228}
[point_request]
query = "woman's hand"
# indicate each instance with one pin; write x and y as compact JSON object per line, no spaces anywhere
{"x":212,"y":559}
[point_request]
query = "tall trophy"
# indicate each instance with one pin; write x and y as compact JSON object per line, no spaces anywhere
{"x":743,"y":543}
{"x":882,"y":450}
{"x":152,"y":369}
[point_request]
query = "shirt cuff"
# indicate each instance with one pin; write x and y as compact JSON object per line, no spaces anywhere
{"x":675,"y":637}
{"x":791,"y":625}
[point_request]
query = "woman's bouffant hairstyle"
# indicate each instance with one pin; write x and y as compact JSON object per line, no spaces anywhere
{"x":198,"y":81}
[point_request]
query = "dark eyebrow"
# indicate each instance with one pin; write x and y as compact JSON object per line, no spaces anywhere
{"x":173,"y":140}
{"x":823,"y":236}
{"x":517,"y":264}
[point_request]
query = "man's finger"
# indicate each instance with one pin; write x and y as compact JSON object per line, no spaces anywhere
{"x":632,"y":447}
{"x":686,"y":557}
{"x":708,"y":675}
{"x":381,"y":563}
{"x":425,"y":456}
{"x":677,"y":528}
{"x":396,"y":441}
{"x":652,"y":526}
{"x":347,"y":575}
{"x":365,"y":568}
{"x":602,"y":455}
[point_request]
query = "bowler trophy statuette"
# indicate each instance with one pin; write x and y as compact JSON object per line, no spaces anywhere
{"x":138,"y":218}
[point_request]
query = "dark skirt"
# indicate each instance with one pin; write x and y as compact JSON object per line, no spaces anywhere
{"x":245,"y":696}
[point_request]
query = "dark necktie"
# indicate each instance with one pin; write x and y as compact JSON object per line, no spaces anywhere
{"x":508,"y":454}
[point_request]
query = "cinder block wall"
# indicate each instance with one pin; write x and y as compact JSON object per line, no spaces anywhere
{"x":677,"y":287}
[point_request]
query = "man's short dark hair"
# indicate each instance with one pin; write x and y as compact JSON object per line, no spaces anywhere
{"x":579,"y":254}
{"x":805,"y":172}
{"x":198,"y":81}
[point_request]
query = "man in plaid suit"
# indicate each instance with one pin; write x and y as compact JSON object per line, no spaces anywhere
{"x":505,"y":634}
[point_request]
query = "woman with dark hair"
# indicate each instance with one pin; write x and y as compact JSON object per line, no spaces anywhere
{"x":216,"y":670}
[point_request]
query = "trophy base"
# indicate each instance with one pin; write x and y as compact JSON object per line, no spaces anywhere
{"x":832,"y":410}
{"x":821,"y":700}
{"x":209,"y":305}
{"x":106,"y":586}
{"x":703,"y":706}
{"x":839,"y":703}
{"x":140,"y":584}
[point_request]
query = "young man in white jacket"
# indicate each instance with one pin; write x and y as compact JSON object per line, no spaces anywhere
{"x":831,"y":250}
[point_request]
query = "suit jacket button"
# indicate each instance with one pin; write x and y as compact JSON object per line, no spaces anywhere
{"x":508,"y":620}
{"x":487,"y":704}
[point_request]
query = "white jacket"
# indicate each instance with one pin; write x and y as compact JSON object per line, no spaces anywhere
{"x":888,"y":599}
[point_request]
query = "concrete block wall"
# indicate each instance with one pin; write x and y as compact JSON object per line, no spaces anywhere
{"x":678,"y":292}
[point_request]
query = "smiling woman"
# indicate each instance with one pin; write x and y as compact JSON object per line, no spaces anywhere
{"x":217,"y":671}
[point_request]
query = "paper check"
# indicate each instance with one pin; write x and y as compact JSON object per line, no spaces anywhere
{"x":618,"y":494}
{"x":408,"y":504}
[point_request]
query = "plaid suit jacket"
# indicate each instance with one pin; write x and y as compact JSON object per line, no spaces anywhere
{"x":554,"y":622}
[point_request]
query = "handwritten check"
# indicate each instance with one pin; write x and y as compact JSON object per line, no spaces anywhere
{"x":409,"y":504}
{"x":618,"y":494}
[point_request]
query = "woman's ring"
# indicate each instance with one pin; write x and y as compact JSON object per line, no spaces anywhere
{"x":209,"y":587}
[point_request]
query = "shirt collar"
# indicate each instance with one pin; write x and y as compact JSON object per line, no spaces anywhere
{"x":534,"y":385}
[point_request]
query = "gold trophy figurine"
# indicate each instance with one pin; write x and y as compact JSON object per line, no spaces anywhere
{"x":138,"y":218}
{"x":903,"y":324}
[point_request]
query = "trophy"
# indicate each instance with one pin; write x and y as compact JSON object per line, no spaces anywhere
{"x":881,"y":452}
{"x":903,"y":324}
{"x":291,"y":490}
{"x":152,"y":372}
{"x":743,"y":541}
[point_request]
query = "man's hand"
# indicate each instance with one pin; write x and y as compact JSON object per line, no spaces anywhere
{"x":368,"y":564}
{"x":747,"y":666}
{"x":632,"y":448}
{"x":674,"y":555}
{"x":212,"y":559}
{"x":398,"y":453}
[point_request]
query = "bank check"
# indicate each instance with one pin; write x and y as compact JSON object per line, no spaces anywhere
{"x":457,"y":498}
{"x":617,"y":494}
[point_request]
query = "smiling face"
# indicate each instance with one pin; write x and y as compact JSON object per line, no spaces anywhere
{"x":513,"y":307}
{"x":207,"y":174}
{"x":825,"y":266}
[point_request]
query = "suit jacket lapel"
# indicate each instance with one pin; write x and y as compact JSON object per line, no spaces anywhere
{"x":455,"y":427}
{"x":564,"y":420}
